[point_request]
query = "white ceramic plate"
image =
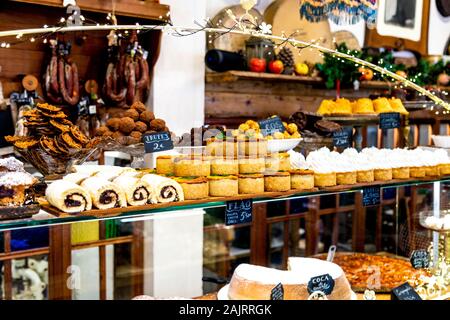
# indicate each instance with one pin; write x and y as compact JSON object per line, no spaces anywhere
{"x":441,"y":141}
{"x":223,"y":294}
{"x":282,"y":145}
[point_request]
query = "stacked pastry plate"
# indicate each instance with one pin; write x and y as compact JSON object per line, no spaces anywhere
{"x":282,"y":145}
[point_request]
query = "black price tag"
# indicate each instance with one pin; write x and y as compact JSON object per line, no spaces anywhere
{"x":277,"y":293}
{"x":420,"y":259}
{"x":271,"y":125}
{"x":238,"y":212}
{"x":405,"y":292}
{"x":324,"y":283}
{"x":390,"y":120}
{"x":371,"y":196}
{"x":343,"y":138}
{"x":156,"y":142}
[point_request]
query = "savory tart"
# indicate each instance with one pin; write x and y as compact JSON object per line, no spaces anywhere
{"x":277,"y":182}
{"x":223,"y":186}
{"x":251,"y":183}
{"x":302,"y":179}
{"x":194,"y":188}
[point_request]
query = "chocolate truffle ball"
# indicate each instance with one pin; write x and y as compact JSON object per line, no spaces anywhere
{"x":147,"y":116}
{"x":140,"y":126}
{"x":138,"y":106}
{"x":127,"y":125}
{"x":131,"y":113}
{"x":157,"y":125}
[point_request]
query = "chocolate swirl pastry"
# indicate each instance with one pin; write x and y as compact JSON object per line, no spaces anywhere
{"x":104,"y":194}
{"x":137,"y":192}
{"x":164,"y":189}
{"x":68,"y":197}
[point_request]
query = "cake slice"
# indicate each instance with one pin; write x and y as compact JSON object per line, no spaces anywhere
{"x":250,"y":282}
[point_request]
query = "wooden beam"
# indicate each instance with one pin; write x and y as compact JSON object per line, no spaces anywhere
{"x":60,"y":258}
{"x":258,"y":236}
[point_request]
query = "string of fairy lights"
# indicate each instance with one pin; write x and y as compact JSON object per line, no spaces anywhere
{"x":247,"y":26}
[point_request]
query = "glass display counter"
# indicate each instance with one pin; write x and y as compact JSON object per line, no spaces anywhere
{"x":188,"y":251}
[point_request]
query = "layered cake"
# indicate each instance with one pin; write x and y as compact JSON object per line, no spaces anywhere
{"x":251,"y":183}
{"x":363,"y":106}
{"x":250,"y":282}
{"x":324,"y":173}
{"x":13,"y":186}
{"x":223,"y":186}
{"x":360,"y":163}
{"x":382,"y":105}
{"x":277,"y":182}
{"x":342,"y":107}
{"x":397,"y":106}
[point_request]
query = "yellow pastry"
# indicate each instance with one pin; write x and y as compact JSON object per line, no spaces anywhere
{"x":302,"y":179}
{"x":383,"y":174}
{"x":432,"y":171}
{"x":224,"y":166}
{"x":346,"y":178}
{"x":342,"y":106}
{"x":192,"y":167}
{"x":194,"y":188}
{"x":251,"y":165}
{"x":444,"y":169}
{"x":251,"y":183}
{"x":165,"y":165}
{"x":363,"y":106}
{"x":277,"y":182}
{"x":417,"y":172}
{"x":325,"y":179}
{"x":278,"y":162}
{"x":326,"y":107}
{"x":382,"y":105}
{"x":223,"y":186}
{"x":365,"y":176}
{"x":397,"y":106}
{"x":401,"y":173}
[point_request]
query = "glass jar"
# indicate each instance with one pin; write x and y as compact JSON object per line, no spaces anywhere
{"x":259,"y":49}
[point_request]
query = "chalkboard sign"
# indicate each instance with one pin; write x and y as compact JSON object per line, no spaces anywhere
{"x":271,"y":125}
{"x":238,"y":212}
{"x":405,"y":292}
{"x":277,"y":293}
{"x":156,"y":142}
{"x":324,"y":283}
{"x":420,"y":259}
{"x":371,"y":196}
{"x":343,"y":138}
{"x":390,"y":120}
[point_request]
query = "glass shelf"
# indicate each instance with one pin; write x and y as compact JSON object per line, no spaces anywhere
{"x":44,"y":218}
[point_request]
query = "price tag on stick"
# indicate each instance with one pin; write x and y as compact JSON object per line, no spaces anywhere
{"x":277,"y":293}
{"x":156,"y":142}
{"x":238,"y":212}
{"x":420,"y":259}
{"x":271,"y":125}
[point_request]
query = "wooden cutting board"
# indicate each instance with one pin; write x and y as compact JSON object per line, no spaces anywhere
{"x":284,"y":15}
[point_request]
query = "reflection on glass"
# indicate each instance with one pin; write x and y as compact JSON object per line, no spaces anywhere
{"x":400,"y":13}
{"x":30,"y":278}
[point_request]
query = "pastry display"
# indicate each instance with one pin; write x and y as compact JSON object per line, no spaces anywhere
{"x":68,"y":197}
{"x":137,"y":191}
{"x":250,"y":282}
{"x":104,"y":194}
{"x":165,"y":165}
{"x":250,"y":129}
{"x":192,"y":166}
{"x":251,"y":183}
{"x":360,"y":162}
{"x":324,"y":174}
{"x":392,"y":271}
{"x":13,"y":186}
{"x":129,"y":126}
{"x":302,"y":179}
{"x":223,"y":186}
{"x":437,"y":223}
{"x":277,"y":182}
{"x":362,"y":106}
{"x":52,"y":142}
{"x":224,"y":166}
{"x":194,"y":188}
{"x":248,"y":165}
{"x":164,"y":190}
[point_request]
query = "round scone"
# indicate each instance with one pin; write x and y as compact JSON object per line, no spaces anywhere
{"x":250,"y":282}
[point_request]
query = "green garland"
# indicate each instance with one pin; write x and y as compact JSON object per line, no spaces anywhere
{"x":333,"y":68}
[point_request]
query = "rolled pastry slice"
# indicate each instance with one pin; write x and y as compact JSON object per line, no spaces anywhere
{"x":104,"y":193}
{"x":164,"y":189}
{"x":76,"y":177}
{"x":137,"y":191}
{"x":68,"y":196}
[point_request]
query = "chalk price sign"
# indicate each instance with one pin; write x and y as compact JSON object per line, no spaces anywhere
{"x":390,"y":120}
{"x":238,"y":212}
{"x":405,"y":292}
{"x":343,"y":138}
{"x":271,"y":125}
{"x":420,"y":259}
{"x":324,"y":283}
{"x":371,"y":196}
{"x":156,"y":142}
{"x":277,"y":293}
